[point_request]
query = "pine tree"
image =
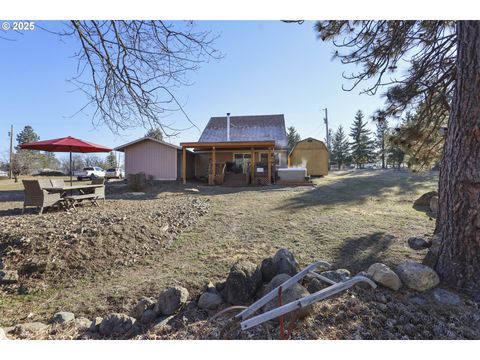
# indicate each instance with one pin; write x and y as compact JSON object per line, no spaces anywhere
{"x":362,"y":147}
{"x":293,"y":137}
{"x":27,"y":135}
{"x":340,"y":153}
{"x":111,"y":160}
{"x":155,"y":133}
{"x":381,"y":140}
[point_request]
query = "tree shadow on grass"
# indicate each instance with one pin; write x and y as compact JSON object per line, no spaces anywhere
{"x":358,"y":253}
{"x":356,"y":189}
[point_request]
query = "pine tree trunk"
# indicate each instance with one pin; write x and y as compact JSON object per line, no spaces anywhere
{"x":456,"y":252}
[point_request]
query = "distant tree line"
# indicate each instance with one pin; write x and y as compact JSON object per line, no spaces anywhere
{"x":361,"y":146}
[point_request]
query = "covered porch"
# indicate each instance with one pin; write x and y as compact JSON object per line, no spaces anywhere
{"x":249,"y":162}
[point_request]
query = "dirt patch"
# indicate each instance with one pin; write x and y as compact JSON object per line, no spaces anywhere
{"x":59,"y":247}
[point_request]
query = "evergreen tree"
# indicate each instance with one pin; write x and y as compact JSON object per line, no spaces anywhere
{"x":362,"y":147}
{"x":155,"y":133}
{"x":27,"y":135}
{"x":293,"y":137}
{"x":340,"y":153}
{"x":111,"y":160}
{"x":381,"y":139}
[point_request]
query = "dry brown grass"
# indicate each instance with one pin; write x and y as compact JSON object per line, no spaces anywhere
{"x":349,"y":219}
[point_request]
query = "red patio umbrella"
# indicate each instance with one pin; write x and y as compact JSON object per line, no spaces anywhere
{"x":66,"y":144}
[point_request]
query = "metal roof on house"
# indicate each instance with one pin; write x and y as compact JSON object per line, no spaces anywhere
{"x":122,"y":147}
{"x":247,"y":128}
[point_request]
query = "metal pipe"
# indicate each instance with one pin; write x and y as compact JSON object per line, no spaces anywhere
{"x":228,"y":126}
{"x":304,"y":302}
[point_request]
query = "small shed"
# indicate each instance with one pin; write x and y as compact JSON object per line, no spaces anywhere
{"x":157,"y":159}
{"x":311,"y":154}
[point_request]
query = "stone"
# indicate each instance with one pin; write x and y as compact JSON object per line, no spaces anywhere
{"x":285,"y":263}
{"x":209,"y":301}
{"x":116,"y":324}
{"x":418,"y":243}
{"x":295,"y":292}
{"x":268,"y":269}
{"x":434,"y":204}
{"x":338,"y":275}
{"x":445,"y":297}
{"x":3,"y":336}
{"x":162,"y":323}
{"x":315,"y":285}
{"x":171,"y":300}
{"x":432,"y":254}
{"x":148,"y":316}
{"x":83,"y":323}
{"x":424,"y":200}
{"x":95,"y":325}
{"x":244,"y":279}
{"x":417,"y":276}
{"x":144,"y":304}
{"x":383,"y":275}
{"x":62,"y":317}
{"x":32,"y":327}
{"x":8,"y":276}
{"x":418,"y":299}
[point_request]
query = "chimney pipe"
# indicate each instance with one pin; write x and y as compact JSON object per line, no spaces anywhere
{"x":228,"y":126}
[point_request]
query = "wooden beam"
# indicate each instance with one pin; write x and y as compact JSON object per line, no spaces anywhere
{"x":269,"y":166}
{"x":184,"y":164}
{"x":214,"y":164}
{"x":252,"y":166}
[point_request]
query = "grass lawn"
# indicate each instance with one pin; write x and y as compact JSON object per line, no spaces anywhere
{"x":350,"y":219}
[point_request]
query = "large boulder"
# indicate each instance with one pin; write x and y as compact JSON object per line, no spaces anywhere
{"x":295,"y":292}
{"x":418,"y":243}
{"x":444,"y":297}
{"x":383,"y":275}
{"x":424,"y":200}
{"x":143,"y":305}
{"x":338,"y":275}
{"x":62,"y":317}
{"x":268,"y":269}
{"x":209,"y":301}
{"x":8,"y":276}
{"x":242,"y":282}
{"x":148,"y":316}
{"x":285,"y":263}
{"x":171,"y":300}
{"x":32,"y":327}
{"x":116,"y":324}
{"x":83,"y":323}
{"x":417,"y":276}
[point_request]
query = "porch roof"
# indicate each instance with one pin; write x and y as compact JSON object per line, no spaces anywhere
{"x":230,"y":144}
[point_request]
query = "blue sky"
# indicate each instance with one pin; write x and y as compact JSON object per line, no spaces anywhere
{"x":269,"y":67}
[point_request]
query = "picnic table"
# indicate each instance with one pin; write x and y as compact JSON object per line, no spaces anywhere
{"x":92,"y":192}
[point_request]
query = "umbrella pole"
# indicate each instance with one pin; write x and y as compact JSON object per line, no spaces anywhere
{"x":71,"y":181}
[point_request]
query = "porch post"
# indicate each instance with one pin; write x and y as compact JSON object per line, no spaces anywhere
{"x":214,"y":162}
{"x":184,"y":164}
{"x":252,"y":167}
{"x":269,"y":165}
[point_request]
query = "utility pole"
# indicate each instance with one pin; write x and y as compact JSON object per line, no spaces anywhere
{"x":328,"y":136}
{"x":10,"y":167}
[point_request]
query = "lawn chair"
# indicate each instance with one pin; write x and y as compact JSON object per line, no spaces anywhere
{"x":36,"y":195}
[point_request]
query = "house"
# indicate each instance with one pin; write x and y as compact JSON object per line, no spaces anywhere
{"x":157,"y":159}
{"x":239,"y":150}
{"x":311,"y":154}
